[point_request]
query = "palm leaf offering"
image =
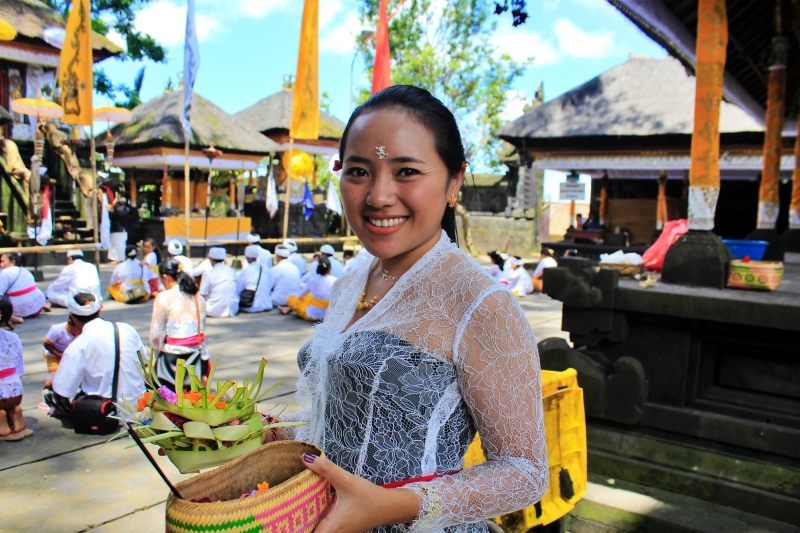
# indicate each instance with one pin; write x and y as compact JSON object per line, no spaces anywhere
{"x":198,"y":428}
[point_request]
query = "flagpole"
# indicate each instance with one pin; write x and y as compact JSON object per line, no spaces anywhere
{"x":208,"y":208}
{"x":94,"y":195}
{"x":186,"y":194}
{"x":288,"y":185}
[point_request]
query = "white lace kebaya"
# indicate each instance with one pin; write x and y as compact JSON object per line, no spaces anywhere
{"x":400,"y":394}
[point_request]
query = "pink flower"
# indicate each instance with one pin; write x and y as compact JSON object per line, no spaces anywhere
{"x":168,"y":395}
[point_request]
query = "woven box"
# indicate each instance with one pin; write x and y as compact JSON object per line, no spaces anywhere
{"x":296,"y":500}
{"x":625,"y":271}
{"x":755,"y":275}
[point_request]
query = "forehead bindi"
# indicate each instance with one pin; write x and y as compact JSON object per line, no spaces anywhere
{"x":392,"y":134}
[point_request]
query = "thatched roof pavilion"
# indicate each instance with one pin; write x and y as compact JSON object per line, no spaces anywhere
{"x":272,"y":116}
{"x":29,"y":18}
{"x":154,"y":138}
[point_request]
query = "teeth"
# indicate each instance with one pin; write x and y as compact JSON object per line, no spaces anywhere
{"x":387,"y":222}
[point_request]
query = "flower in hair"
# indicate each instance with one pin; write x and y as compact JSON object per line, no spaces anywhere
{"x":337,"y":165}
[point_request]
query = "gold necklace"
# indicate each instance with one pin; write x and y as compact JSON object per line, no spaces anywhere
{"x":362,"y":305}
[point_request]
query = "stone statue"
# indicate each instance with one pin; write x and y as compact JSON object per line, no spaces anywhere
{"x":83,"y":177}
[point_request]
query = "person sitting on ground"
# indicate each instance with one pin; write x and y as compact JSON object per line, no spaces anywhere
{"x":87,"y":366}
{"x":177,"y":329}
{"x":152,"y":258}
{"x":12,"y":424}
{"x":326,"y":252}
{"x":77,"y":276}
{"x":175,"y":249}
{"x":295,"y":258}
{"x":58,"y":338}
{"x":118,"y":215}
{"x":254,"y":277}
{"x":312,"y":301}
{"x":18,"y":285}
{"x":363,"y":256}
{"x":198,"y":271}
{"x":519,"y":280}
{"x":347,"y":255}
{"x":285,"y":277}
{"x":496,"y":268}
{"x":130,"y":279}
{"x":219,"y":286}
{"x":547,"y":261}
{"x":264,"y":256}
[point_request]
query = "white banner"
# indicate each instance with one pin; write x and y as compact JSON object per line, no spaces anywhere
{"x":191,"y":63}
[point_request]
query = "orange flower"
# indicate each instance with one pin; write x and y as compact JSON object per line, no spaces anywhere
{"x":263,"y":487}
{"x":143,"y":401}
{"x":221,"y":405}
{"x":192,"y":396}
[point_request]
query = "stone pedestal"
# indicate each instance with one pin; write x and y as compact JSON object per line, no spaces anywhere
{"x":791,"y":240}
{"x":698,"y":259}
{"x":775,"y":248}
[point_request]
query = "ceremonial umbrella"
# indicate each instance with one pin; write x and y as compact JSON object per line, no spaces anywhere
{"x":5,"y":116}
{"x":111,"y":114}
{"x":7,"y":31}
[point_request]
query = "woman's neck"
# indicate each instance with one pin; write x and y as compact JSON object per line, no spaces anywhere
{"x":400,"y":264}
{"x":168,"y":282}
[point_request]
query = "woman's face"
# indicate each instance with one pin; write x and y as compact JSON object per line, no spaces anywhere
{"x":394,"y":203}
{"x":4,"y":262}
{"x":147,"y":247}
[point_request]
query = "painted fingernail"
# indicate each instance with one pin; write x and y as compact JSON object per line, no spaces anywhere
{"x":307,"y":457}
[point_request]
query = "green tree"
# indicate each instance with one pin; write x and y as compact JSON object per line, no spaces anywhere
{"x":446,"y":48}
{"x":119,"y":15}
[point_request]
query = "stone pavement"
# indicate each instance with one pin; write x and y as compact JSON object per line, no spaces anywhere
{"x":57,"y":481}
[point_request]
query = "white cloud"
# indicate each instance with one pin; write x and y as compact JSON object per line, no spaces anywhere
{"x":166,"y":22}
{"x":521,"y":45}
{"x":340,"y":36}
{"x":254,"y":8}
{"x":517,"y":99}
{"x":327,"y":11}
{"x":575,"y":42}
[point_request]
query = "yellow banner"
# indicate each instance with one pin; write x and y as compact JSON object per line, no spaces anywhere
{"x":305,"y":113}
{"x":75,"y":69}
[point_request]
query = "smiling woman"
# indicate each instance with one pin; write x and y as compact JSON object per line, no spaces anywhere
{"x":420,"y":348}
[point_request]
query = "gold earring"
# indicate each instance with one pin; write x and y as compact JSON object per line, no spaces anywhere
{"x":453,"y":201}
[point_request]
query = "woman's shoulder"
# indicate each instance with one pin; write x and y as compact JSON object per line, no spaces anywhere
{"x":10,"y":338}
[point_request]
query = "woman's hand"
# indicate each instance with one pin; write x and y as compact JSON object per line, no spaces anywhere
{"x":360,"y":505}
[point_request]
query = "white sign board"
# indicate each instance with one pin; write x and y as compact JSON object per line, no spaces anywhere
{"x":572,"y":191}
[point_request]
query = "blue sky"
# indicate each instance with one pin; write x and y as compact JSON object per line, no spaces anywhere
{"x":248,"y":46}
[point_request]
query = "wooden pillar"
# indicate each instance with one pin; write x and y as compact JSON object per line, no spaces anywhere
{"x":232,"y":190}
{"x":603,"y":209}
{"x":200,"y":193}
{"x":661,"y":203}
{"x":133,"y":187}
{"x":712,"y":42}
{"x":794,"y":207}
{"x":166,"y":189}
{"x":768,"y":193}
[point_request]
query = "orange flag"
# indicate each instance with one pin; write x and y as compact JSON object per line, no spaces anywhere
{"x":381,"y":71}
{"x":75,"y":69}
{"x":305,"y":112}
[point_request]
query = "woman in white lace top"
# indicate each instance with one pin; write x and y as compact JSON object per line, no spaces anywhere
{"x":420,"y":347}
{"x":177,"y":328}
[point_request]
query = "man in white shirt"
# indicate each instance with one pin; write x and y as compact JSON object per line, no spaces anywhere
{"x":87,"y":366}
{"x":255,"y":277}
{"x":264,"y":256}
{"x":285,"y":277}
{"x":363,"y":256}
{"x":77,"y":276}
{"x":219,"y":286}
{"x":326,"y":252}
{"x":295,"y":258}
{"x":175,"y":249}
{"x":547,"y":261}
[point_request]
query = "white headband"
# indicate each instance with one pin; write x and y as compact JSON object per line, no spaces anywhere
{"x":252,"y":239}
{"x":83,"y":310}
{"x":175,"y":247}
{"x":252,"y":251}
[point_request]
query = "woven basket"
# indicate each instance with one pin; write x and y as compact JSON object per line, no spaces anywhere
{"x":296,"y":500}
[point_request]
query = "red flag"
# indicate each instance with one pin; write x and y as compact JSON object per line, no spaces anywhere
{"x":382,"y":73}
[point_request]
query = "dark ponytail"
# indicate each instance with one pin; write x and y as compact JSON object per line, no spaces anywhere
{"x":6,"y":310}
{"x":323,"y":267}
{"x":425,"y":109}
{"x":172,"y":268}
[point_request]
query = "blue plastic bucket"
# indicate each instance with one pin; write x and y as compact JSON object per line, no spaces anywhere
{"x":740,"y":249}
